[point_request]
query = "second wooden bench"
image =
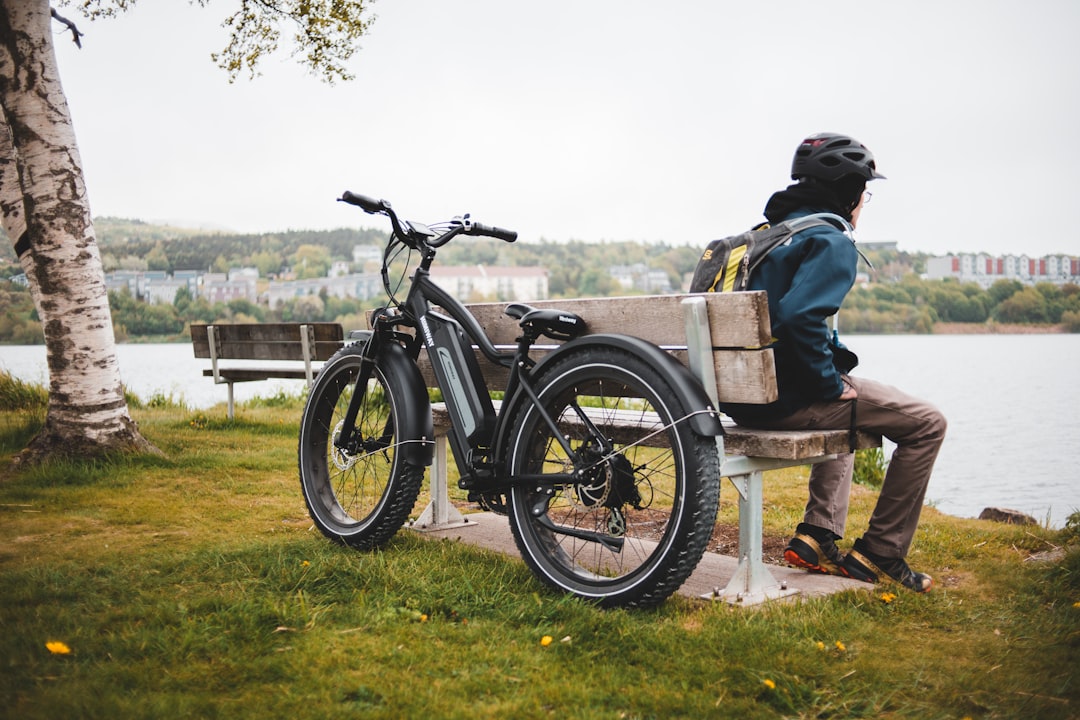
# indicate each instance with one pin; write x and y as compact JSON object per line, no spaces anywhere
{"x":305,"y":343}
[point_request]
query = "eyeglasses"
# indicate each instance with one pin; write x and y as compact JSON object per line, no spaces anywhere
{"x":866,"y":197}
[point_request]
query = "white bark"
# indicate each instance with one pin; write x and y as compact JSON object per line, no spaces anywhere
{"x":44,"y":196}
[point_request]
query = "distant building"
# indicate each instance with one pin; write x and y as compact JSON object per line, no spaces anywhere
{"x":985,"y":270}
{"x":237,"y":284}
{"x":152,"y":286}
{"x":162,"y":291}
{"x":477,"y":282}
{"x":464,"y":282}
{"x":121,"y":280}
{"x":361,"y":286}
{"x":640,"y":276}
{"x":365,"y":253}
{"x":248,"y":274}
{"x":883,"y":246}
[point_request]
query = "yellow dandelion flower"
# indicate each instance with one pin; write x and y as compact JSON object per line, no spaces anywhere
{"x":888,"y":597}
{"x":820,"y":645}
{"x":1076,"y":604}
{"x":769,"y":684}
{"x":423,"y":617}
{"x":546,"y":640}
{"x":305,"y":564}
{"x":57,"y":648}
{"x":840,"y":646}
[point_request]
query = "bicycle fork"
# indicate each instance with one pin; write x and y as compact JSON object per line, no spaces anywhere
{"x":350,"y":440}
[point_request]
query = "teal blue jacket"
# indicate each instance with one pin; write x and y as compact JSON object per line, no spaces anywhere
{"x":806,"y":280}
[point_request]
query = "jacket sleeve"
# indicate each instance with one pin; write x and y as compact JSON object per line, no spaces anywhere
{"x":825,"y":274}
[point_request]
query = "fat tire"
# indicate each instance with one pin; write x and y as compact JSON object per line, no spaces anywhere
{"x":663,"y":541}
{"x":360,"y":500}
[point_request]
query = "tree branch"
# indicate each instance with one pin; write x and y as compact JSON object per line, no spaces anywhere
{"x":75,"y":34}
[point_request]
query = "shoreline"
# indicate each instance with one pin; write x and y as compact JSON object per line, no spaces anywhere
{"x":993,"y":328}
{"x":939,"y":328}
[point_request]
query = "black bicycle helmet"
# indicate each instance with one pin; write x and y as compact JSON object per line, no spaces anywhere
{"x":830,"y":156}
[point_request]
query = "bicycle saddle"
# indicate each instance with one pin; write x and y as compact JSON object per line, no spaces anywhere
{"x":554,"y":323}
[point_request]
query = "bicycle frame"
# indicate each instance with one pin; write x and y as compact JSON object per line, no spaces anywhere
{"x":476,"y":427}
{"x":449,"y":340}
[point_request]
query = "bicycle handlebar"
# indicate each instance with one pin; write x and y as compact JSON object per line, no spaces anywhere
{"x":368,"y":205}
{"x":372,"y":206}
{"x":475,"y":228}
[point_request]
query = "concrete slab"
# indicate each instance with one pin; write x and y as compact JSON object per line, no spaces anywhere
{"x":492,"y":532}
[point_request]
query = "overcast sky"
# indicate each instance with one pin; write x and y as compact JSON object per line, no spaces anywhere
{"x":597,"y":119}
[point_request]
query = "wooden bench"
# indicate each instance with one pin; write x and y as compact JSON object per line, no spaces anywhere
{"x":722,"y":338}
{"x":285,"y":342}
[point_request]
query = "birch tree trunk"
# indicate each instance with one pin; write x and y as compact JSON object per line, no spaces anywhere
{"x":47,"y":215}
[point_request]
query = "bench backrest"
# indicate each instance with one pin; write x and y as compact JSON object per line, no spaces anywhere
{"x":738,"y":325}
{"x":267,"y":341}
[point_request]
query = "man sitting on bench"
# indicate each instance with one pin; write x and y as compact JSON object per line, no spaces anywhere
{"x":807,"y":281}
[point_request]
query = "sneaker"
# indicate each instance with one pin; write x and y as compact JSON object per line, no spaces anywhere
{"x":804,"y":551}
{"x":868,"y":567}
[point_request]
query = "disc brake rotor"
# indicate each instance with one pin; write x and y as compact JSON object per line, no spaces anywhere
{"x":596,"y":485}
{"x":342,"y":460}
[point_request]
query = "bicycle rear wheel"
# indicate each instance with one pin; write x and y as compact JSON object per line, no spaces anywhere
{"x":358,"y":492}
{"x":636,"y":520}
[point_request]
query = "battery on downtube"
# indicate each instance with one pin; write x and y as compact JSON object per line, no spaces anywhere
{"x":458,"y":374}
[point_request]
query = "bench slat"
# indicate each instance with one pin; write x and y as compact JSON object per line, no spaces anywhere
{"x":738,"y":325}
{"x":743,"y":376}
{"x":267,"y":341}
{"x":736,"y":320}
{"x":792,"y":444}
{"x":738,"y":440}
{"x":253,"y":374}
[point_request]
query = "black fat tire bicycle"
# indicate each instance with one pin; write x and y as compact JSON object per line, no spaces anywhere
{"x":602,"y":454}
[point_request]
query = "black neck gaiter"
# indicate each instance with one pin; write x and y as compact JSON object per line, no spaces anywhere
{"x":832,"y":197}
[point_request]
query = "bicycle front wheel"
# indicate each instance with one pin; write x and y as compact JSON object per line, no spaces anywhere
{"x":358,"y":487}
{"x":630,"y":508}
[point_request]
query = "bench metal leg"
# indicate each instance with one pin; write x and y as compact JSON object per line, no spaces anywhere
{"x":440,"y":513}
{"x":232,"y":404}
{"x":752,"y":582}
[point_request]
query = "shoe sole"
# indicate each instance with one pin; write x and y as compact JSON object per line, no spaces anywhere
{"x":792,"y":557}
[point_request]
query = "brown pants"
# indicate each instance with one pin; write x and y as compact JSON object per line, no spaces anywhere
{"x":917,"y":428}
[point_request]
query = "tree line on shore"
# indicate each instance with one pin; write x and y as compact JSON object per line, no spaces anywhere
{"x":895,"y":300}
{"x":914,"y":305}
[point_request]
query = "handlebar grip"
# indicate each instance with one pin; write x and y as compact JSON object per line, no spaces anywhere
{"x":365,"y":203}
{"x":492,"y":231}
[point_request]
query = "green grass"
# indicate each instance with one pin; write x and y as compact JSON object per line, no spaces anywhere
{"x":16,"y":394}
{"x":193,"y":585}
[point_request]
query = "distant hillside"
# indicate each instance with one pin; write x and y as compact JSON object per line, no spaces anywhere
{"x":195,"y":249}
{"x":892,"y":299}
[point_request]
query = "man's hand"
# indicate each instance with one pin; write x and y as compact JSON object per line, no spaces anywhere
{"x":850,"y":393}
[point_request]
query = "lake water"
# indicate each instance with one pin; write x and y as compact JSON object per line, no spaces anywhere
{"x":1012,"y":401}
